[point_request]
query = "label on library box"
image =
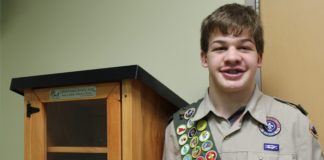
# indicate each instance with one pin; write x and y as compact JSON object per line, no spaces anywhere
{"x":73,"y":93}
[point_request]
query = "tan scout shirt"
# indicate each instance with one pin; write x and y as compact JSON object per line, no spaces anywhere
{"x":245,"y":139}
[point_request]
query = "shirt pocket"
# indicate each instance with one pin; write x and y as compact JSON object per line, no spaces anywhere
{"x":246,"y":155}
{"x":270,"y":156}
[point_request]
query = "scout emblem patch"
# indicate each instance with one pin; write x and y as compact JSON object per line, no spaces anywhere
{"x":194,"y":138}
{"x":272,"y":128}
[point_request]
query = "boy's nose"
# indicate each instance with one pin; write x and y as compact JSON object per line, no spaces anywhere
{"x":232,"y":57}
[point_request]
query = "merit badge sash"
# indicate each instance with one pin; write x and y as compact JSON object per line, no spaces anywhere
{"x":194,"y":138}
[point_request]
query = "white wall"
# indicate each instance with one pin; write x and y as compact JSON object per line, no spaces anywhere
{"x":1,"y":75}
{"x":42,"y":37}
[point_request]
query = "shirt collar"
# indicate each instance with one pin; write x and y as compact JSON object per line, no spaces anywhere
{"x":256,"y":107}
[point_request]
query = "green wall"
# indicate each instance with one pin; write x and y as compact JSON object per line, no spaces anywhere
{"x":42,"y":37}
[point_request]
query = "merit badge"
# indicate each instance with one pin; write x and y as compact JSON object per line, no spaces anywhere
{"x":313,"y":130}
{"x":201,"y":125}
{"x":192,"y":132}
{"x":196,"y":152}
{"x":272,"y":128}
{"x":204,"y":136}
{"x":270,"y":147}
{"x":190,"y":123}
{"x":185,"y":149}
{"x":211,"y":155}
{"x":194,"y":142}
{"x":206,"y":146}
{"x":181,"y":129}
{"x":189,"y":113}
{"x":200,"y":158}
{"x":183,"y":139}
{"x":187,"y":157}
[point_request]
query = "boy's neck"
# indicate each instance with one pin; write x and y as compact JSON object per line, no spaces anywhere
{"x":227,"y":103}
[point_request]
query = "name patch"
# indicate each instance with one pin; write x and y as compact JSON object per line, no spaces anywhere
{"x":270,"y":147}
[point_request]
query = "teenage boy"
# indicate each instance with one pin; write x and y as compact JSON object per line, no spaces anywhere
{"x":235,"y":120}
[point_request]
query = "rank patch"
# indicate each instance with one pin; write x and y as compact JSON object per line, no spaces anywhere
{"x":272,"y":128}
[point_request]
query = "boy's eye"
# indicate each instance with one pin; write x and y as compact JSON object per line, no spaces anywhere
{"x":219,"y":49}
{"x":244,"y":48}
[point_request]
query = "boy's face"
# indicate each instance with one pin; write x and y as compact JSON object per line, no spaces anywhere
{"x":232,"y":62}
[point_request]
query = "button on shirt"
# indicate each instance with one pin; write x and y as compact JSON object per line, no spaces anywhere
{"x":286,"y":137}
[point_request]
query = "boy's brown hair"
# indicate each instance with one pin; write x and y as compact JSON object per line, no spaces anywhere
{"x":232,"y":19}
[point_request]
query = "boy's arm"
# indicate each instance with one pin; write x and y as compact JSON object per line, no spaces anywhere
{"x":171,"y":147}
{"x":309,"y":146}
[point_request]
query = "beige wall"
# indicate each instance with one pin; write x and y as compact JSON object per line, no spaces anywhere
{"x":294,"y":54}
{"x":42,"y":37}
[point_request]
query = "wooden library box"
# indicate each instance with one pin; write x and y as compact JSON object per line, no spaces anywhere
{"x":117,"y":113}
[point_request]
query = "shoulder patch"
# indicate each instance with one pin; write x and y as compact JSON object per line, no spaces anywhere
{"x":298,"y":106}
{"x":313,"y":130}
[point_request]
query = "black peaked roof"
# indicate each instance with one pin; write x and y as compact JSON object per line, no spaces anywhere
{"x":96,"y":76}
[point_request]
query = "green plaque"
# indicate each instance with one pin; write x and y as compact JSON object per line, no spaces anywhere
{"x":73,"y":93}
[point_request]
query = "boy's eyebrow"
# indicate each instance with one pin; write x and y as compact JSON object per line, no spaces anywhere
{"x":247,"y":40}
{"x":241,"y":41}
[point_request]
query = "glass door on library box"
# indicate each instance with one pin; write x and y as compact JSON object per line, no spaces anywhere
{"x":73,"y":122}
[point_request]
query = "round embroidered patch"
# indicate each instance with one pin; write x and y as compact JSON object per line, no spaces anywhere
{"x":181,"y":129}
{"x":204,"y":136}
{"x":192,"y":132}
{"x":206,"y":146}
{"x":187,"y":157}
{"x":183,"y":139}
{"x":189,"y":113}
{"x":196,"y":152}
{"x":200,"y":158}
{"x":211,"y":155}
{"x":190,"y":123}
{"x":201,"y":125}
{"x":272,"y":128}
{"x":194,"y":142}
{"x":185,"y":149}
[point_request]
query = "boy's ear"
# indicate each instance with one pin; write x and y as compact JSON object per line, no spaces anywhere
{"x":259,"y":60}
{"x":203,"y":59}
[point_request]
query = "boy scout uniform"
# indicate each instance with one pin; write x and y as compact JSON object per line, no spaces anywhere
{"x":268,"y":129}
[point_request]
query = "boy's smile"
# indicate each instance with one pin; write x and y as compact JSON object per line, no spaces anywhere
{"x":232,"y":61}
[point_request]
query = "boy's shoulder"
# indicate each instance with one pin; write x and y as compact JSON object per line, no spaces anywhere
{"x":290,"y":104}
